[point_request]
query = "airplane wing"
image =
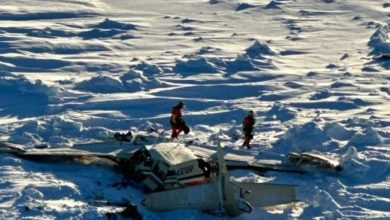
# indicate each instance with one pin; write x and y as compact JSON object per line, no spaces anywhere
{"x":57,"y":155}
{"x":116,"y":151}
{"x":236,"y":159}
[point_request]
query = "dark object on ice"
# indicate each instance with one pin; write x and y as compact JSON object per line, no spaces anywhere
{"x":244,"y":6}
{"x":132,"y":212}
{"x":186,"y":129}
{"x":40,"y":146}
{"x":123,"y":137}
{"x":314,"y":159}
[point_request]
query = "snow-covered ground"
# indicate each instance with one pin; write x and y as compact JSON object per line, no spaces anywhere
{"x":316,"y":73}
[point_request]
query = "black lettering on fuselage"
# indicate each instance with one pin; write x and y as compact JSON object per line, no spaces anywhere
{"x":185,"y":170}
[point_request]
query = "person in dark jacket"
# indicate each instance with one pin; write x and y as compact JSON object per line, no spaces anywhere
{"x":177,"y":123}
{"x":247,"y":128}
{"x":121,"y":137}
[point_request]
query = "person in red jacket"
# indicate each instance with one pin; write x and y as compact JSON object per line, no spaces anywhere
{"x":177,"y":123}
{"x":247,"y":128}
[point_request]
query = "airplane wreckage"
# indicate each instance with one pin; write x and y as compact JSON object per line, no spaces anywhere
{"x":180,"y":176}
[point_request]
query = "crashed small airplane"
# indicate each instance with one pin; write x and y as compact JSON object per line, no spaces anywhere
{"x":177,"y":176}
{"x":216,"y":192}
